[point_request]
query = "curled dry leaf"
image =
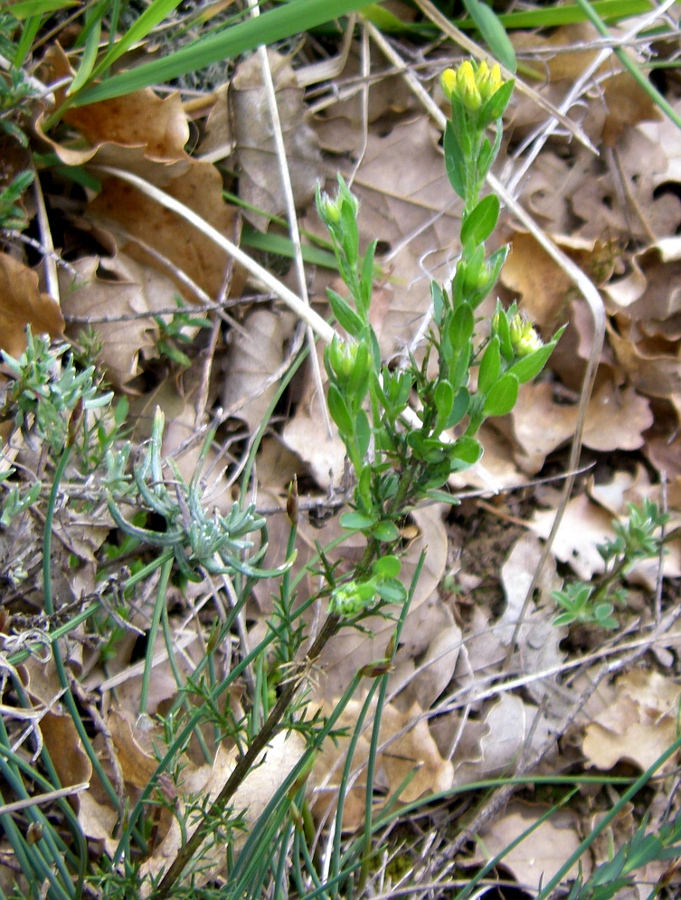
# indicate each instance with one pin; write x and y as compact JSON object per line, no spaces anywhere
{"x":22,"y":303}
{"x":141,"y":119}
{"x":638,"y":724}
{"x":95,"y":294}
{"x":259,"y":180}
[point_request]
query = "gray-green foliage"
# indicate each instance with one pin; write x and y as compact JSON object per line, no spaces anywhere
{"x":638,"y":538}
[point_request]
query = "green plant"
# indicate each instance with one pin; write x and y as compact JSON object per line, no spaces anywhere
{"x":172,"y":332}
{"x":398,"y":459}
{"x":636,"y":539}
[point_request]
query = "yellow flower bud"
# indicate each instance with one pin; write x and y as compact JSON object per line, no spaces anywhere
{"x":467,"y":87}
{"x":448,"y":82}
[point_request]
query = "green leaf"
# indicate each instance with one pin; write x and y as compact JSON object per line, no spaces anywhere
{"x":444,"y":401}
{"x":355,"y":521}
{"x":461,"y":327}
{"x":459,"y":408}
{"x":387,"y":566}
{"x":490,"y":367}
{"x":392,"y":591}
{"x":502,"y":397}
{"x":363,"y":432}
{"x":339,"y":411}
{"x":497,"y":103}
{"x":530,"y":366}
{"x":268,"y":28}
{"x":89,"y":57}
{"x":455,"y":161}
{"x":493,"y":32}
{"x":464,"y":453}
{"x":24,"y":9}
{"x":385,"y":531}
{"x":345,"y":314}
{"x":480,"y":222}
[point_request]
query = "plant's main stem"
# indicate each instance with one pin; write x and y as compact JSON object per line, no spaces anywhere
{"x":247,"y":761}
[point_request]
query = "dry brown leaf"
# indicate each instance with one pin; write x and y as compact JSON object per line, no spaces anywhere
{"x":200,"y":188}
{"x":615,"y":420}
{"x":94,"y":295}
{"x":137,"y":765}
{"x":427,"y":681}
{"x":652,"y":367}
{"x":509,"y":731}
{"x":201,"y":787}
{"x":259,"y":179}
{"x":537,"y":858}
{"x":24,"y":304}
{"x":256,"y":353}
{"x":620,"y":101}
{"x":650,"y":292}
{"x":408,"y":750}
{"x":584,"y":525}
{"x":545,"y":289}
{"x":639,"y":723}
{"x":141,"y":119}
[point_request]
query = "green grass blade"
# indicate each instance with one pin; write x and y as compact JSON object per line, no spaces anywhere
{"x":553,"y":16}
{"x":25,"y":9}
{"x":493,"y":32}
{"x":89,"y":57}
{"x":274,"y":25}
{"x":150,"y":18}
{"x":630,"y":65}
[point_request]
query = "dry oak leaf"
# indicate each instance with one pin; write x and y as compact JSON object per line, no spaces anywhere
{"x":141,"y":221}
{"x":537,"y":858}
{"x":616,"y":419}
{"x":142,"y":119}
{"x":510,"y":730}
{"x":638,"y":725}
{"x":544,"y":287}
{"x":653,"y":366}
{"x":21,"y":304}
{"x":406,"y":749}
{"x":621,"y":102}
{"x":92,"y":294}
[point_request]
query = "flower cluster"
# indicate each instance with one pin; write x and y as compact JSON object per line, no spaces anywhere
{"x":473,"y":84}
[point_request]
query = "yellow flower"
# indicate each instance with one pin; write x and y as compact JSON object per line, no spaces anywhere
{"x":473,"y":83}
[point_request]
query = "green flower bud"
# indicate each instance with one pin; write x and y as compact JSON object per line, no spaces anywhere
{"x":351,"y":598}
{"x":329,"y":210}
{"x":342,"y":357}
{"x":524,"y":338}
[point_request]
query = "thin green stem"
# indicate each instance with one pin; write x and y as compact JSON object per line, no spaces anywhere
{"x":629,"y":64}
